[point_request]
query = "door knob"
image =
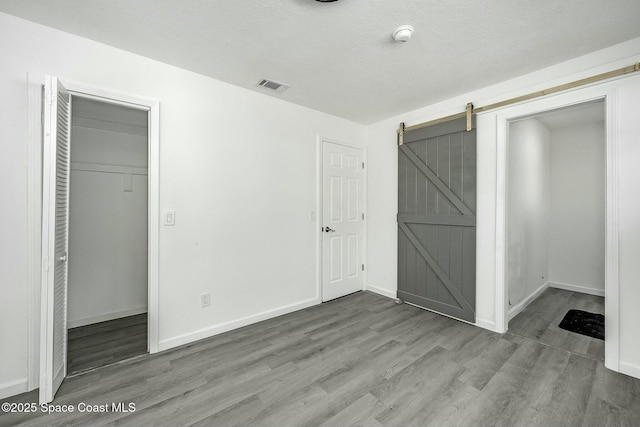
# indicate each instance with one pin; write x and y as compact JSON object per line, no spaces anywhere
{"x":63,"y":258}
{"x":329,"y":229}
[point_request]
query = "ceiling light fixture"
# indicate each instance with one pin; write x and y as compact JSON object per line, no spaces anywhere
{"x":326,"y":1}
{"x":403,"y":33}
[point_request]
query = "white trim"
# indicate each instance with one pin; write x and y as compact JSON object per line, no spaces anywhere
{"x":577,"y":96}
{"x":612,"y":264}
{"x":320,"y":208}
{"x":109,"y":96}
{"x":384,"y":292}
{"x":629,"y":369}
{"x":518,"y":308}
{"x":153,"y":178}
{"x":234,"y":324}
{"x":365,"y":273}
{"x":319,"y":219}
{"x":105,"y":317}
{"x":35,"y":82}
{"x":12,"y":388}
{"x":577,"y":288}
{"x":486,"y":324}
{"x":502,"y":299}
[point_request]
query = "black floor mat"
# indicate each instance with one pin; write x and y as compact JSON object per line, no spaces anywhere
{"x":585,"y":323}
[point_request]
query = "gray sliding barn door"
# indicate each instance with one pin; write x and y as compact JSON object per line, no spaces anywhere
{"x":436,"y":218}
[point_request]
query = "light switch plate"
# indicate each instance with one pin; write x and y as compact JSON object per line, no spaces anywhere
{"x":127,"y":182}
{"x":205,"y":300}
{"x":169,"y":217}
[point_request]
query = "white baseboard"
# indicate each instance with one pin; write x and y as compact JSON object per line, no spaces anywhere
{"x":486,"y":324}
{"x":576,"y":288}
{"x":518,"y":308}
{"x":104,"y":317}
{"x":384,"y":292}
{"x":234,"y":324}
{"x":14,"y":387}
{"x":630,"y":369}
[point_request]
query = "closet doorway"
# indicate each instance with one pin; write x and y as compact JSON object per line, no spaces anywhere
{"x":556,"y":227}
{"x":108,"y":211}
{"x":48,"y":187}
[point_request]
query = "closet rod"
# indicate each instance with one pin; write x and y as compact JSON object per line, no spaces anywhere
{"x":615,"y":73}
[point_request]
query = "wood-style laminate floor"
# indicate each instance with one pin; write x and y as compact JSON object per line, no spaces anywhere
{"x":359,"y":360}
{"x":103,"y":343}
{"x":540,"y":320}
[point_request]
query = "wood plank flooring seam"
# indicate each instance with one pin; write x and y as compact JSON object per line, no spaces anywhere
{"x":552,"y":346}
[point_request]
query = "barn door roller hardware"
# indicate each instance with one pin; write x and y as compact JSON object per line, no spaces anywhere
{"x":471,"y":110}
{"x":401,"y":133}
{"x":468,"y":113}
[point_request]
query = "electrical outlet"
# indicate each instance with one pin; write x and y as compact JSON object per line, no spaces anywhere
{"x":205,"y":300}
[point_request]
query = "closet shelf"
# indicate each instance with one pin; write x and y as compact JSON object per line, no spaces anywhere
{"x":97,"y":167}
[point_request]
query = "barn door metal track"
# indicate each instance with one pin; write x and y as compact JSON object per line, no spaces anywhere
{"x":471,"y":110}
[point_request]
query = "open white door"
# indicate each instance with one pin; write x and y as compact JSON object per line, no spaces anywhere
{"x":55,"y":225}
{"x":343,"y":220}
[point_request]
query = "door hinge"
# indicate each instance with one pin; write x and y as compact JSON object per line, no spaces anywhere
{"x":362,"y":267}
{"x":363,"y":216}
{"x":47,"y":97}
{"x":45,"y":263}
{"x":362,"y":165}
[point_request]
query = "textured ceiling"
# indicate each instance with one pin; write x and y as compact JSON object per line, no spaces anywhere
{"x":339,"y":57}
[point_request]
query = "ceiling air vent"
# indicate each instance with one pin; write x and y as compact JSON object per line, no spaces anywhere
{"x":274,"y":86}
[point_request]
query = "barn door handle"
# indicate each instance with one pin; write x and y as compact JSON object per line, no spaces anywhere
{"x":329,"y":229}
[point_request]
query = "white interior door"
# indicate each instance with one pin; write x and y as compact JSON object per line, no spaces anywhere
{"x":55,"y":226}
{"x":343,"y":220}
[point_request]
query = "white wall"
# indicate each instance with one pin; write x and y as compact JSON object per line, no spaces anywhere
{"x":555,"y":210}
{"x":108,"y":225}
{"x":382,"y":185}
{"x":237,"y":166}
{"x":528,"y":196}
{"x":577,"y":221}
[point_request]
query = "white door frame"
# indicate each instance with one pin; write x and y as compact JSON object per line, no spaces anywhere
{"x":607,"y":92}
{"x":35,"y":83}
{"x":320,"y":209}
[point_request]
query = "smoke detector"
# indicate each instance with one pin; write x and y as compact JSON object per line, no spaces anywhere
{"x":272,"y":85}
{"x":403,"y":33}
